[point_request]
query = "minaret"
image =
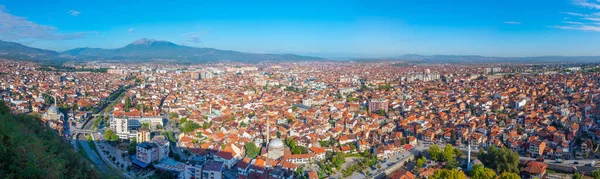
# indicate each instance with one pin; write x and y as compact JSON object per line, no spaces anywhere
{"x":469,"y":158}
{"x":268,"y":132}
{"x":55,"y":102}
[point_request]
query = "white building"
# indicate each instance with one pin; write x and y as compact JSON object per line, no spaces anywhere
{"x":157,"y":150}
{"x":307,"y":102}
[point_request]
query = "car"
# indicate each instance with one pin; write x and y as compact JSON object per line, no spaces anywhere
{"x":575,"y":162}
{"x":559,"y":161}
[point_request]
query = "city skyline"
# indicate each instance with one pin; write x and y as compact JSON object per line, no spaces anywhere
{"x":354,"y":29}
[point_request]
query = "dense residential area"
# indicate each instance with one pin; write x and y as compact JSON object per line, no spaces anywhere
{"x":285,"y":120}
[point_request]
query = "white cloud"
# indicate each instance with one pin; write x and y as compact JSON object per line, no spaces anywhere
{"x":581,"y":28}
{"x":574,"y":14}
{"x":572,"y":22}
{"x":586,"y":21}
{"x":512,"y":22}
{"x":20,"y":29}
{"x":593,"y":19}
{"x":74,"y":13}
{"x":130,"y":30}
{"x":587,"y":3}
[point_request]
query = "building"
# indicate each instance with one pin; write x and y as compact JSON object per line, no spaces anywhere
{"x":375,"y":105}
{"x":212,"y":170}
{"x":535,"y":169}
{"x":116,"y":71}
{"x":195,"y":75}
{"x":276,"y":149}
{"x":192,"y":171}
{"x":121,"y":126}
{"x":143,"y":135}
{"x":53,"y":114}
{"x":307,"y":102}
{"x":193,"y":167}
{"x":156,"y":150}
{"x":125,"y":127}
{"x":206,"y":75}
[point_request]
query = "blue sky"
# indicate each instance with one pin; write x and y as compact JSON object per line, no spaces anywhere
{"x":335,"y":29}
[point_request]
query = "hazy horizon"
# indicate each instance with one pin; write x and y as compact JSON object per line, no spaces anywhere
{"x":335,"y":29}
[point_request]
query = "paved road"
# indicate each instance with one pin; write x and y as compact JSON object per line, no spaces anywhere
{"x":93,"y":156}
{"x":565,"y":166}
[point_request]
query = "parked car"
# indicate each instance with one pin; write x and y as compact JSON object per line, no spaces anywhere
{"x":559,"y":160}
{"x":575,"y":162}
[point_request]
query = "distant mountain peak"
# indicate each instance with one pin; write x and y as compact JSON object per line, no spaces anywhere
{"x":143,"y":41}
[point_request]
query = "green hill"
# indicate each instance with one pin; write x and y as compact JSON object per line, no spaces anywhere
{"x":28,"y":149}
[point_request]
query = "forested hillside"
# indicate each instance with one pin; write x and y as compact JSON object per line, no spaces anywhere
{"x":28,"y":149}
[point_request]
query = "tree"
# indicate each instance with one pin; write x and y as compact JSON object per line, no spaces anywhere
{"x":576,"y":176}
{"x":29,"y":149}
{"x":448,"y":174}
{"x":109,"y":135}
{"x":206,"y":125}
{"x":457,"y":153}
{"x":435,"y":152}
{"x":174,"y":115}
{"x":300,"y":171}
{"x":596,"y":174}
{"x":508,"y":175}
{"x":448,"y":154}
{"x":480,"y":172}
{"x":200,"y":135}
{"x":127,"y":104}
{"x":190,"y":126}
{"x":251,"y":150}
{"x":132,"y":148}
{"x":382,"y":112}
{"x":420,"y":162}
{"x":453,"y":137}
{"x":299,"y":150}
{"x":183,"y":120}
{"x":502,"y":160}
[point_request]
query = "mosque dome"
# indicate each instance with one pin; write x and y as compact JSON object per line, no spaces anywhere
{"x":275,"y":150}
{"x":276,"y":143}
{"x":53,"y":110}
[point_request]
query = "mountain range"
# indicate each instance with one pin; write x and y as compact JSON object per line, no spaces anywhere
{"x":143,"y":50}
{"x":146,"y":50}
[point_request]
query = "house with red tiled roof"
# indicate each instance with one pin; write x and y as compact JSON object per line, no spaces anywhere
{"x":319,"y":152}
{"x":228,"y":156}
{"x":313,"y":175}
{"x":243,"y":166}
{"x":535,"y":169}
{"x":402,"y":174}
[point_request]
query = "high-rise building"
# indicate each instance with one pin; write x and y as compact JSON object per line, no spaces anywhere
{"x":206,"y":75}
{"x":143,"y":135}
{"x":307,"y":102}
{"x":195,"y":75}
{"x":121,"y":127}
{"x":375,"y":105}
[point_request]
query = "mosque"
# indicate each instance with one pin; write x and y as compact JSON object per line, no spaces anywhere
{"x":54,"y":118}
